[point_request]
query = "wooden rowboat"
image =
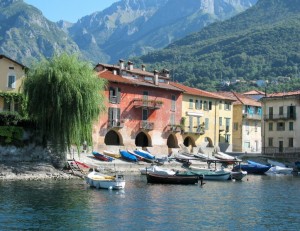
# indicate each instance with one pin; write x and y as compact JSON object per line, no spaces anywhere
{"x":112,"y":154}
{"x":172,"y":179}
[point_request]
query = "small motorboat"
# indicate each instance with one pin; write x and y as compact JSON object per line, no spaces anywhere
{"x":127,"y":156}
{"x":112,"y":154}
{"x":157,"y":170}
{"x":279,"y":170}
{"x":173,"y":179}
{"x":207,"y":174}
{"x":99,"y":180}
{"x":238,"y":175}
{"x":102,"y":157}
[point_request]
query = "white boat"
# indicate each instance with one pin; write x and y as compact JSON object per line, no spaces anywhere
{"x":224,"y":156}
{"x":279,"y":170}
{"x":157,"y":170}
{"x":99,"y":180}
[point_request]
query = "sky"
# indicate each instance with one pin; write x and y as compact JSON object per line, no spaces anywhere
{"x":69,"y":10}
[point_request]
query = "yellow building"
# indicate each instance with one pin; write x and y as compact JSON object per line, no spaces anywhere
{"x":12,"y":75}
{"x":281,"y":127}
{"x":247,"y":119}
{"x":206,"y":119}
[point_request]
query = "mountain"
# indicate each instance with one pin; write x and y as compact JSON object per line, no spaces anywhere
{"x":260,"y":43}
{"x":135,"y":27}
{"x":26,"y":35}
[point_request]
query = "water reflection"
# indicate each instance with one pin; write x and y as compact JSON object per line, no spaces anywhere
{"x":259,"y":203}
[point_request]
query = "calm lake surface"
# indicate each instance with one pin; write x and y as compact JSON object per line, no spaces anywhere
{"x":256,"y":203}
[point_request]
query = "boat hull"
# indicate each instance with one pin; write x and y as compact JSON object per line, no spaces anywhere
{"x":105,"y":182}
{"x":207,"y":174}
{"x":112,"y":154}
{"x":127,"y":156}
{"x":173,"y":179}
{"x":102,"y":157}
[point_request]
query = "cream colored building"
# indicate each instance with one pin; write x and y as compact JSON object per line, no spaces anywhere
{"x":247,"y":120}
{"x":281,"y":127}
{"x":12,"y":75}
{"x":206,"y":119}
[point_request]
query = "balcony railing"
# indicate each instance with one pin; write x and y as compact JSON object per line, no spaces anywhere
{"x":116,"y":123}
{"x":147,"y":103}
{"x":284,"y":116}
{"x":252,"y":116}
{"x":174,"y":128}
{"x":147,"y":125}
{"x":200,"y":130}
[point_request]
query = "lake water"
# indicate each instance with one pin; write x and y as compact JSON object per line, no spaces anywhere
{"x":256,"y":203}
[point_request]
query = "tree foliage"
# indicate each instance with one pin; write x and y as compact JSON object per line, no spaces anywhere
{"x":64,"y":98}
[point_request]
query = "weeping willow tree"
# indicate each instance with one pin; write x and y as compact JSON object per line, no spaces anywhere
{"x":64,"y":97}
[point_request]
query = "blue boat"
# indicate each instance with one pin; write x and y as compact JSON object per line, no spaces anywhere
{"x":127,"y":156}
{"x":102,"y":157}
{"x":253,"y":167}
{"x":144,"y":154}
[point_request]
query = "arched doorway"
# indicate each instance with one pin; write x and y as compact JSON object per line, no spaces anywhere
{"x":142,"y":140}
{"x":112,"y":138}
{"x":189,"y":142}
{"x":172,"y":141}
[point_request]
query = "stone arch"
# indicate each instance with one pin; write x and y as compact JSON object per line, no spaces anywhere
{"x":143,"y":140}
{"x":189,"y":142}
{"x":113,"y":138}
{"x":172,"y":141}
{"x":208,"y":141}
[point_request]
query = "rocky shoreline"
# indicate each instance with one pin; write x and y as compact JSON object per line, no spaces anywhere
{"x":32,"y":171}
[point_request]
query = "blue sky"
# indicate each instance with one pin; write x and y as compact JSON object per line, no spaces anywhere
{"x":69,"y":10}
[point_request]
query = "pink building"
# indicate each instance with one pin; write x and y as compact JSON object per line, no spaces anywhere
{"x":143,"y":110}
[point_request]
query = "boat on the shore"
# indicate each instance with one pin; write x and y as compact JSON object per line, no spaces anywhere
{"x":173,"y":179}
{"x":127,"y":156}
{"x":111,"y":154}
{"x":102,"y":157}
{"x":140,"y":157}
{"x":98,"y":180}
{"x":157,"y":170}
{"x":252,"y":167}
{"x":144,"y":154}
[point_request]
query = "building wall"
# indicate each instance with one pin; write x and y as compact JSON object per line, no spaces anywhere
{"x":276,"y":135}
{"x":133,"y":116}
{"x":237,"y":132}
{"x":17,"y":71}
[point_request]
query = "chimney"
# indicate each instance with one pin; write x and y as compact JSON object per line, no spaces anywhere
{"x":143,"y":67}
{"x":121,"y":61}
{"x":166,"y":73}
{"x":155,"y":77}
{"x":130,"y":65}
{"x":114,"y":72}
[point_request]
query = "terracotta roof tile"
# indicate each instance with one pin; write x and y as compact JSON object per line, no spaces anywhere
{"x":254,"y":92}
{"x":241,"y":99}
{"x":281,"y":94}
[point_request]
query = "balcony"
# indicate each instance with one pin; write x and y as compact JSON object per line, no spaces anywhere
{"x":174,"y":128}
{"x":147,"y":125}
{"x":252,"y":116}
{"x":284,"y":116}
{"x":147,"y":103}
{"x":116,"y":123}
{"x":199,"y":130}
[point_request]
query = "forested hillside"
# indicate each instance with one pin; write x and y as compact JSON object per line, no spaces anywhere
{"x":260,"y":43}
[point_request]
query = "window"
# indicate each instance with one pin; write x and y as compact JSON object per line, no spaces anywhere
{"x":173,"y":103}
{"x":6,"y":106}
{"x":227,"y":138}
{"x":281,"y":110}
{"x":220,"y":121}
{"x":236,"y":126}
{"x":227,"y":124}
{"x":270,"y":142}
{"x":200,"y":107}
{"x":12,"y":81}
{"x":291,"y":112}
{"x":271,"y":112}
{"x":291,"y":126}
{"x":191,"y":103}
{"x":280,"y":126}
{"x":270,"y":126}
{"x":209,"y":105}
{"x":227,"y":106}
{"x":114,"y":95}
{"x":145,"y":114}
{"x":196,"y":104}
{"x":206,"y":123}
{"x":255,"y":126}
{"x":220,"y":104}
{"x":114,"y":116}
{"x":205,"y":105}
{"x":291,"y":142}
